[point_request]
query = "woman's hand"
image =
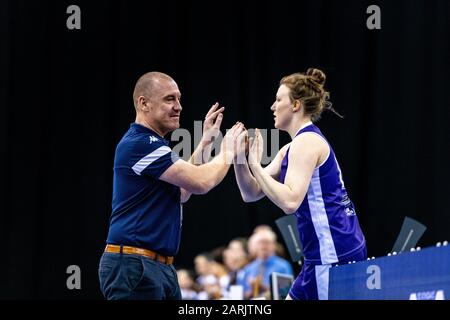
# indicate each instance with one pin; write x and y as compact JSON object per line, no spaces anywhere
{"x":256,"y":148}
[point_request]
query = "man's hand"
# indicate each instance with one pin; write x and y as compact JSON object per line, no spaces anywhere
{"x":211,"y":125}
{"x":229,"y":142}
{"x":242,"y":146}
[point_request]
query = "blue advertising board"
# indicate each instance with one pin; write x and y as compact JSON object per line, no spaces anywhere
{"x":417,"y":275}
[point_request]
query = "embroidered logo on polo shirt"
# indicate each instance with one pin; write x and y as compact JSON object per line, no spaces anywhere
{"x":152,"y":139}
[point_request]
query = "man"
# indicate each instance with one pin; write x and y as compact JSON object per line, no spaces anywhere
{"x":150,"y":185}
{"x":255,"y":277}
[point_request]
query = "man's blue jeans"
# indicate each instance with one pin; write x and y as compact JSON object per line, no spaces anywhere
{"x":135,"y":277}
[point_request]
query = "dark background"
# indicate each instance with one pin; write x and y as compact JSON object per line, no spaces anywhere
{"x":66,"y":100}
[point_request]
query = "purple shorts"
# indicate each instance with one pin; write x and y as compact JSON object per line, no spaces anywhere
{"x":312,"y":282}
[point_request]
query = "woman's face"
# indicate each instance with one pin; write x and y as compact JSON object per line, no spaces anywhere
{"x":282,"y":108}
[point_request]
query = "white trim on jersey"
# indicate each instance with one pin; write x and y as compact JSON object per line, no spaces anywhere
{"x":322,"y":281}
{"x":320,"y":220}
{"x":303,"y":126}
{"x":340,"y":172}
{"x":181,"y":214}
{"x":149,"y":159}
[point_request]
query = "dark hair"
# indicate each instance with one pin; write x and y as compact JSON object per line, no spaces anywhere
{"x":309,"y":89}
{"x":243,"y":241}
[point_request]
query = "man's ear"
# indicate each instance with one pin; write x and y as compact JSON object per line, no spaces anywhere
{"x":143,"y":104}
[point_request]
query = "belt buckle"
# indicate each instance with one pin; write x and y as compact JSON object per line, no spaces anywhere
{"x":162,"y":259}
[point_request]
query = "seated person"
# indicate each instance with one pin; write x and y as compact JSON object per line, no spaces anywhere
{"x":255,"y":277}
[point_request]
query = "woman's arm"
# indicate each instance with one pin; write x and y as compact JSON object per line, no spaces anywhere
{"x":304,"y":154}
{"x":248,"y":185}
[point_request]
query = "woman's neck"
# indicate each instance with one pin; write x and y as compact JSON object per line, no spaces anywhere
{"x":295,"y":126}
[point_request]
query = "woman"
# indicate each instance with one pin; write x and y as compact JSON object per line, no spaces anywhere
{"x":305,"y":179}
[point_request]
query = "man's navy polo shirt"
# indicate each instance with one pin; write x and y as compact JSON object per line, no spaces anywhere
{"x":146,"y":211}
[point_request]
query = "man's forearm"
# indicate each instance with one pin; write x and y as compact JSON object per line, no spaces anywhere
{"x":200,"y":156}
{"x":213,"y":172}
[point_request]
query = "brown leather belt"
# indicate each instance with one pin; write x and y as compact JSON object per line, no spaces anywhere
{"x":112,"y":248}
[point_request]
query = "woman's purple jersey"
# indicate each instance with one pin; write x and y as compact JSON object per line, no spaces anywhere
{"x":326,"y":219}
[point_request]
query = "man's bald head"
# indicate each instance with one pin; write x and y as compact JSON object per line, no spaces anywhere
{"x":265,"y":235}
{"x":146,"y":83}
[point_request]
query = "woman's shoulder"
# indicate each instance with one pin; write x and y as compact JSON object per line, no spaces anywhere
{"x":310,"y":143}
{"x":309,"y":138}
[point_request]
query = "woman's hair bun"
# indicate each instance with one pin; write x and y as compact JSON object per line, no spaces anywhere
{"x":317,"y":75}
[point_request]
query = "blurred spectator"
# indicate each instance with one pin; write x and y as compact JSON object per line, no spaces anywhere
{"x":187,"y":286}
{"x":217,"y":254}
{"x":202,"y":265}
{"x":235,"y":257}
{"x":279,"y":248}
{"x":255,"y":277}
{"x":213,"y":278}
{"x":219,"y":271}
{"x":262,"y":227}
{"x":212,"y":290}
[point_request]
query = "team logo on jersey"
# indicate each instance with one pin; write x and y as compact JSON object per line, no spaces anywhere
{"x":152,"y":139}
{"x":349,"y":211}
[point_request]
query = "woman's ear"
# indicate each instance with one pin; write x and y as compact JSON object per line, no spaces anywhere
{"x":296,"y":106}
